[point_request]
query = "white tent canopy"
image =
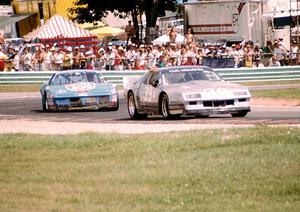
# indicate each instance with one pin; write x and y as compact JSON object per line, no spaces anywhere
{"x":166,"y":39}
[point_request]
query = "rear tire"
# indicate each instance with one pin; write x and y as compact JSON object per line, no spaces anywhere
{"x":132,"y":110}
{"x":239,"y":114}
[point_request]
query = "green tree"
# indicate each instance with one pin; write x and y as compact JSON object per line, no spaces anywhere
{"x":91,"y":10}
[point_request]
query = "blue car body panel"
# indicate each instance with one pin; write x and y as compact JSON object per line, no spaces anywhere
{"x":61,"y":95}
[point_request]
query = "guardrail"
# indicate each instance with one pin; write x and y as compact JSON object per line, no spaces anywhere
{"x":232,"y":75}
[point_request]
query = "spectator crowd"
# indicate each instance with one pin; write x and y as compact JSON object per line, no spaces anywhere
{"x":142,"y":57}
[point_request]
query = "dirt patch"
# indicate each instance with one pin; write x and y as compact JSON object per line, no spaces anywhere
{"x":274,"y":102}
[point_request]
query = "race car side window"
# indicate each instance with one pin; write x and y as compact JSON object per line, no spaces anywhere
{"x":154,"y":79}
{"x":146,"y":78}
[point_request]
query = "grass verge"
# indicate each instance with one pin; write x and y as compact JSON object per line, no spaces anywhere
{"x":20,"y":88}
{"x":220,"y":170}
{"x":288,"y":94}
{"x":284,"y":82}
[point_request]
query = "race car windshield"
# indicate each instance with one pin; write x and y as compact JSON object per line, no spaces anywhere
{"x":186,"y":75}
{"x":76,"y":77}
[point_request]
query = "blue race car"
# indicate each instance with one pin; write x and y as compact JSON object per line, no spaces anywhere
{"x":79,"y":89}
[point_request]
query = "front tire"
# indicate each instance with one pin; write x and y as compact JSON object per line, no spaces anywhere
{"x":164,"y":108}
{"x":239,"y":114}
{"x":45,"y":103}
{"x":132,"y":110}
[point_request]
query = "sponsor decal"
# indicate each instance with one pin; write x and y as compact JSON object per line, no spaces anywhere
{"x":80,"y":86}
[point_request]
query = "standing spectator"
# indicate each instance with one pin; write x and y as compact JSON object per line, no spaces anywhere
{"x":161,"y":61}
{"x":109,"y":59}
{"x":157,"y":32}
{"x":58,"y":60}
{"x":119,"y":59}
{"x":47,"y":59}
{"x":68,"y":59}
{"x":52,"y":62}
{"x":81,"y":57}
{"x":90,"y":60}
{"x":27,"y":59}
{"x":248,"y":56}
{"x":3,"y":57}
{"x":294,"y":53}
{"x":76,"y":56}
{"x":10,"y":55}
{"x":280,"y":53}
{"x":150,"y":58}
{"x":16,"y":60}
{"x":137,"y":65}
{"x":268,"y":52}
{"x":37,"y":59}
{"x":99,"y":63}
{"x":1,"y":39}
{"x":257,"y":55}
{"x":274,"y":62}
{"x":189,"y":37}
{"x":141,"y":57}
{"x":130,"y":30}
{"x":172,"y":35}
{"x":130,"y":55}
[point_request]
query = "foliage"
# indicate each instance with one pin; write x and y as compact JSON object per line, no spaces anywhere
{"x":90,"y":10}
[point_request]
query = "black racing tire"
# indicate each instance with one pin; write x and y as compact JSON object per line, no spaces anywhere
{"x":240,"y":114}
{"x":164,"y":108}
{"x":44,"y":103}
{"x":111,"y":108}
{"x":132,"y":110}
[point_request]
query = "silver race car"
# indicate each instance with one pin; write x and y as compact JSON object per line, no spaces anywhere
{"x":190,"y":90}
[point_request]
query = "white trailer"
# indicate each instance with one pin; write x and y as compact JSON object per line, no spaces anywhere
{"x":229,"y":20}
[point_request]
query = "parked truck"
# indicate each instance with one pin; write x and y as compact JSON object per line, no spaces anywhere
{"x":225,"y":20}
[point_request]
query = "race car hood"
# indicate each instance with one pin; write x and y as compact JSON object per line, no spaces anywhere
{"x":81,"y":89}
{"x":199,"y":85}
{"x":207,"y":90}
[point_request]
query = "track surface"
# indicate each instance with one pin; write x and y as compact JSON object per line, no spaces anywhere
{"x":28,"y":106}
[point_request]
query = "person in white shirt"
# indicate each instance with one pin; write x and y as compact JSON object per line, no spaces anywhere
{"x":58,"y":60}
{"x":274,"y":62}
{"x":47,"y":60}
{"x":109,"y":59}
{"x":16,"y":60}
{"x":68,"y":59}
{"x":27,"y":59}
{"x":294,"y":53}
{"x":280,"y":52}
{"x":130,"y":55}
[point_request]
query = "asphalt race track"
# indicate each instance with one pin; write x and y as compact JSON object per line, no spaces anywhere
{"x":28,"y":106}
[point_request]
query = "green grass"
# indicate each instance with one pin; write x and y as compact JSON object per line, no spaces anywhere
{"x":284,"y":82}
{"x":288,"y":94}
{"x":20,"y":88}
{"x":219,"y":170}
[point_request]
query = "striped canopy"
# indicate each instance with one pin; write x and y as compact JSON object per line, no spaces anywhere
{"x":58,"y":27}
